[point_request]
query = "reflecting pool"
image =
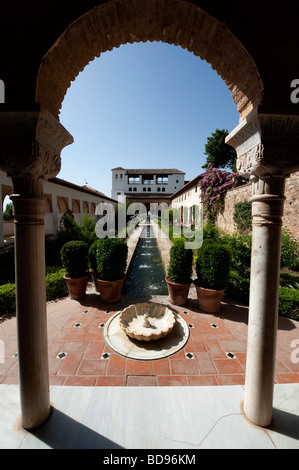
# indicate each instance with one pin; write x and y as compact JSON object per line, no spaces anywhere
{"x":146,"y":274}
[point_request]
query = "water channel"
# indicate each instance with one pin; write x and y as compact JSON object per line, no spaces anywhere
{"x":146,"y":275}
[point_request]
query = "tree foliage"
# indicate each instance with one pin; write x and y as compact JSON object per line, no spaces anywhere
{"x":219,"y":154}
{"x":8,"y":212}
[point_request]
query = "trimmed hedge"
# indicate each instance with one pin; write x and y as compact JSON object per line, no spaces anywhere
{"x":74,"y":257}
{"x":213,"y":265}
{"x":7,"y":299}
{"x":111,"y":259}
{"x":289,"y":303}
{"x":238,"y":288}
{"x":56,"y":287}
{"x":180,"y":263}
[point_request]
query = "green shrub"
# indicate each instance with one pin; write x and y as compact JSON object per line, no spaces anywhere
{"x":92,"y":254}
{"x":289,"y":251}
{"x":289,"y":303}
{"x":72,"y":228}
{"x":238,"y":288}
{"x":240,"y":250}
{"x":289,"y":280}
{"x":111,"y":259}
{"x":56,"y":286}
{"x":7,"y":266}
{"x":210,"y":231}
{"x":180,"y":263}
{"x":7,"y":299}
{"x":243,"y":216}
{"x":74,"y":257}
{"x":213,"y":265}
{"x":87,"y":230}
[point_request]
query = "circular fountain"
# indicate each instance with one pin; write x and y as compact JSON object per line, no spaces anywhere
{"x":146,"y":331}
{"x":147,"y":322}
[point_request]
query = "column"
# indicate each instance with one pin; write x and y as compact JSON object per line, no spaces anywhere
{"x":30,"y":146}
{"x":31,"y":302}
{"x":267,"y":147}
{"x":267,"y":209}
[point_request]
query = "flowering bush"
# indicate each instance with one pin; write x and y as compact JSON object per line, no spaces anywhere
{"x":214,"y":185}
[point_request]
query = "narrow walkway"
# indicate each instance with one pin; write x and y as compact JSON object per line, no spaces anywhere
{"x":215,"y":353}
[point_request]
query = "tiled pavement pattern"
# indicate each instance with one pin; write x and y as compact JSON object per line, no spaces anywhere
{"x":214,"y":355}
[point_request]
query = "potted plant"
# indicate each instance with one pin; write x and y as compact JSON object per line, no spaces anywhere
{"x":74,"y":257}
{"x":111,"y":257}
{"x":212,"y":269}
{"x":179,"y":273}
{"x":92,"y":256}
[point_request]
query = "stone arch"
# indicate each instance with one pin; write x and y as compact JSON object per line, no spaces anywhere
{"x":85,"y":207}
{"x":62,"y":205}
{"x":92,"y":209}
{"x":177,"y":22}
{"x":76,"y":210}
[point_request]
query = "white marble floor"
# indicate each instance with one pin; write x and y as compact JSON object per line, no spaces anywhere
{"x":151,"y":418}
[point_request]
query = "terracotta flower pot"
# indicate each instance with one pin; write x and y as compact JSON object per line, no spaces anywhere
{"x":178,"y":293}
{"x":209,"y":300}
{"x":77,"y":286}
{"x":110,"y":291}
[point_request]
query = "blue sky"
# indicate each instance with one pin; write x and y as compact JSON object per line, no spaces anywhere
{"x":149,"y":105}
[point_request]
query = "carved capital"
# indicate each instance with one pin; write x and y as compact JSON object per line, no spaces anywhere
{"x":31,"y":143}
{"x":268,"y":200}
{"x":266,"y":144}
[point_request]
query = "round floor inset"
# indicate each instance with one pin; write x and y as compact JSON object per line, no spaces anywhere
{"x":117,"y":340}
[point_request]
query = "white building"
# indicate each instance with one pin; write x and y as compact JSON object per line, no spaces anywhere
{"x":143,"y":182}
{"x":60,"y":196}
{"x":186,"y":198}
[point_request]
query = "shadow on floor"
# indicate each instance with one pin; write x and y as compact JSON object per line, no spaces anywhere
{"x":285,"y":423}
{"x":63,"y":432}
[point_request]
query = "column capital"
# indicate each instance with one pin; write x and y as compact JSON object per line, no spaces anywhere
{"x":31,"y":142}
{"x":266,"y":144}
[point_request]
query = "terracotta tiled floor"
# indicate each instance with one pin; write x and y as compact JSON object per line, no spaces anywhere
{"x":215,"y":353}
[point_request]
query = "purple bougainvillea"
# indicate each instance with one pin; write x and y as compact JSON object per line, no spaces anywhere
{"x":214,"y":185}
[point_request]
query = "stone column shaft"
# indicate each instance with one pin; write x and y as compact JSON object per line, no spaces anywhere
{"x":31,"y":309}
{"x":267,"y":146}
{"x":31,"y":141}
{"x":267,"y":212}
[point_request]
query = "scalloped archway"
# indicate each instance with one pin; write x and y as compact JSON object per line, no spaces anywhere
{"x":177,"y":22}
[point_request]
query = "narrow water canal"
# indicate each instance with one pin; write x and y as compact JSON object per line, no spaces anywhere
{"x":146,"y":274}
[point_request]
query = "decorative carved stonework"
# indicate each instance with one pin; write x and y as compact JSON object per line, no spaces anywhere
{"x":266,"y":144}
{"x":31,"y":144}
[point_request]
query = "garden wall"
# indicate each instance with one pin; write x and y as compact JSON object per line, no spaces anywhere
{"x":225,"y":220}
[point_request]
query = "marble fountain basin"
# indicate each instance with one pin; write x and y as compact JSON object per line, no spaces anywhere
{"x":147,"y":322}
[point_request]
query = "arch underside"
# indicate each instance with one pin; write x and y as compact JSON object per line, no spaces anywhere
{"x":175,"y":22}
